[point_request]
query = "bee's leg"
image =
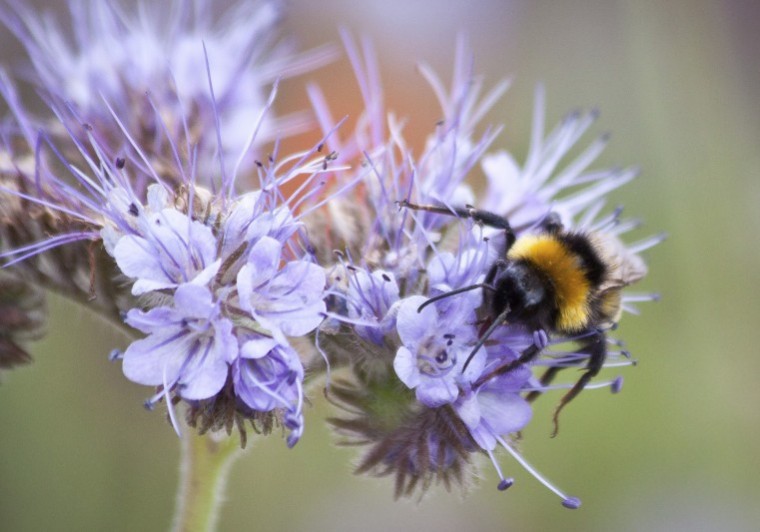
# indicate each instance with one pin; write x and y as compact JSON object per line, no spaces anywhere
{"x":546,"y":380}
{"x":479,"y":216}
{"x":540,"y":341}
{"x":596,"y":348}
{"x":548,"y":377}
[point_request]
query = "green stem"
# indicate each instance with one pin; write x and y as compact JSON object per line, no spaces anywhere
{"x":203,"y":474}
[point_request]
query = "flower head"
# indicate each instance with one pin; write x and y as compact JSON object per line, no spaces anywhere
{"x":430,"y":361}
{"x":422,"y":305}
{"x":203,"y":273}
{"x":164,"y":71}
{"x":188,"y":347}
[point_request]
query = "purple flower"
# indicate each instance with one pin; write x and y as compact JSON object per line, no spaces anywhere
{"x":172,"y":250}
{"x":526,"y":195}
{"x":370,"y":297}
{"x":189,"y":345}
{"x":284,"y":297}
{"x":160,"y":49}
{"x":435,"y":348}
{"x":251,"y":218}
{"x":496,"y":409}
{"x":268,"y":376}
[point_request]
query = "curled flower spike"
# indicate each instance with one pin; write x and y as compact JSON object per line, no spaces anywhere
{"x":466,"y":287}
{"x":201,"y":272}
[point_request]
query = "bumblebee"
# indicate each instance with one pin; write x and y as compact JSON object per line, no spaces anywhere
{"x":553,"y":282}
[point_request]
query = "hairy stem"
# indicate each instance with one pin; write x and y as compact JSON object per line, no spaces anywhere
{"x":206,"y":460}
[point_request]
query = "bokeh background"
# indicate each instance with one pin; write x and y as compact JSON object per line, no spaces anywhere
{"x":678,"y":83}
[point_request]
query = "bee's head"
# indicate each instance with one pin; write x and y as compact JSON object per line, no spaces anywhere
{"x":521,"y":289}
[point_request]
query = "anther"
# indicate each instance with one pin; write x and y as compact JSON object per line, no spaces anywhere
{"x":115,"y":355}
{"x":616,"y":385}
{"x":505,"y":484}
{"x":573,"y":503}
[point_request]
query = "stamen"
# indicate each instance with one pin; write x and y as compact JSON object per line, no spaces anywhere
{"x":647,"y":243}
{"x":115,"y":355}
{"x":323,"y":354}
{"x":170,"y":406}
{"x":568,"y":502}
{"x":504,"y":483}
{"x":640,"y":298}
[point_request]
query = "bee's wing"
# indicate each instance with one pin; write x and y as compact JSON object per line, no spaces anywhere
{"x":625,"y":266}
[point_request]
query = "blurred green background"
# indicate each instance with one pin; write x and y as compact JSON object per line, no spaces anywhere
{"x":678,"y":83}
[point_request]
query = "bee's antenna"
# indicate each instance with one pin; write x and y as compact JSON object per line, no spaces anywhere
{"x":455,"y":292}
{"x":499,"y":320}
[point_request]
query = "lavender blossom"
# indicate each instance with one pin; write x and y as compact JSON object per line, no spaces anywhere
{"x":147,"y":67}
{"x":199,"y":271}
{"x":144,"y":190}
{"x":430,"y":361}
{"x":173,"y":250}
{"x":464,"y":395}
{"x":188,"y":347}
{"x":287,"y":301}
{"x":268,"y":375}
{"x":370,"y":300}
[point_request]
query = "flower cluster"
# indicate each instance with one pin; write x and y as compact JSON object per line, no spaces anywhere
{"x":417,"y":291}
{"x":413,"y":289}
{"x":151,"y":69}
{"x":218,"y":282}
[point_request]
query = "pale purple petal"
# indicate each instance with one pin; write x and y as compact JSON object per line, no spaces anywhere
{"x":257,"y":347}
{"x":504,"y":413}
{"x":264,"y":259}
{"x":437,"y":392}
{"x":412,"y":326}
{"x":146,"y":361}
{"x":405,"y":364}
